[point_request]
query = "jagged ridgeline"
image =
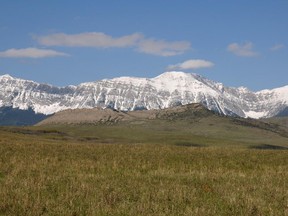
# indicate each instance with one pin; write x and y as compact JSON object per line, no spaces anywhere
{"x":129,"y":93}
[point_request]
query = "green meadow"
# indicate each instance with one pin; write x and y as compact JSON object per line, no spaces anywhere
{"x":157,"y":168}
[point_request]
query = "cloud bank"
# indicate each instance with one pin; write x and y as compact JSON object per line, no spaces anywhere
{"x":90,"y":39}
{"x":277,"y":47}
{"x":101,"y":40}
{"x":162,"y":48}
{"x":191,"y":64}
{"x":245,"y":50}
{"x":30,"y":53}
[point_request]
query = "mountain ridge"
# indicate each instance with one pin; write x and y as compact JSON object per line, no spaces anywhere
{"x":131,"y":93}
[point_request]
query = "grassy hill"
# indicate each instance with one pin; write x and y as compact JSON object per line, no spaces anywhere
{"x":182,"y":162}
{"x":281,"y":121}
{"x":192,"y":124}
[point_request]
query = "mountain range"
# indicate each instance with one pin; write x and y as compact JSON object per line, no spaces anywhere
{"x":130,"y":93}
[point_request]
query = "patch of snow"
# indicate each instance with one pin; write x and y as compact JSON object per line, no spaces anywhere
{"x":255,"y":115}
{"x":50,"y":109}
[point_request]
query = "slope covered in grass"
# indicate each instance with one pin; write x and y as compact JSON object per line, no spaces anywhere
{"x":154,"y":169}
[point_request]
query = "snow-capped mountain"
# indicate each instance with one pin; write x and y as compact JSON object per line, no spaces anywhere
{"x":129,"y":93}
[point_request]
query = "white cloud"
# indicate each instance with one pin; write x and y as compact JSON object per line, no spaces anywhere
{"x":30,"y":53}
{"x":277,"y":47}
{"x":191,"y":65}
{"x":163,"y":48}
{"x":89,"y":39}
{"x":245,"y":49}
{"x":101,"y":40}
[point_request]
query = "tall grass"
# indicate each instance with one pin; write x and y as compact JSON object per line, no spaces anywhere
{"x":46,"y":175}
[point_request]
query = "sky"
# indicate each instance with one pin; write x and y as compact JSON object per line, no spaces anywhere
{"x":65,"y":42}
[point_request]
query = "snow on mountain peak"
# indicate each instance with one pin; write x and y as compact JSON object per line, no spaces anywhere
{"x":131,"y":80}
{"x":6,"y":76}
{"x":280,"y":93}
{"x":175,"y":80}
{"x":131,"y":93}
{"x":243,"y":89}
{"x":176,"y":75}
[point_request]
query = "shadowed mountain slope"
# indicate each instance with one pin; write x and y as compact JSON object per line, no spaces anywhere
{"x":17,"y":117}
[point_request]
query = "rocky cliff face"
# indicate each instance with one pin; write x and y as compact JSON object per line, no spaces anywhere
{"x":128,"y":93}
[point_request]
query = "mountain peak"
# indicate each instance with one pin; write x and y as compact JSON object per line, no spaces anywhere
{"x":6,"y":76}
{"x":169,"y":89}
{"x":175,"y":74}
{"x":180,"y":81}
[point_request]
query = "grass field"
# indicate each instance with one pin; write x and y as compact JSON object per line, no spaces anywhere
{"x":142,"y":170}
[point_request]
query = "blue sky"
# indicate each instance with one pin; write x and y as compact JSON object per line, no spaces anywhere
{"x":238,"y":43}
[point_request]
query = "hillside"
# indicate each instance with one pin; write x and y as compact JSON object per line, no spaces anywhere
{"x":281,"y":121}
{"x":177,"y":124}
{"x":109,"y":116}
